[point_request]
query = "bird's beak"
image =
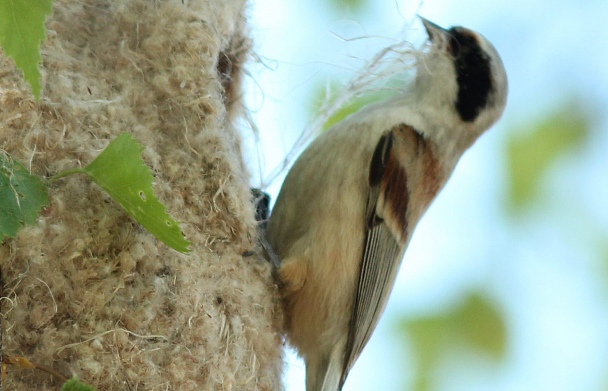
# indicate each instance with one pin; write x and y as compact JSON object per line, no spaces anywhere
{"x":432,"y":29}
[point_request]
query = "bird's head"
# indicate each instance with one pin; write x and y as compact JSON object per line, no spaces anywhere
{"x":462,"y":77}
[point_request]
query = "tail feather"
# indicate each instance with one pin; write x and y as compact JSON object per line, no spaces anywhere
{"x":324,"y":374}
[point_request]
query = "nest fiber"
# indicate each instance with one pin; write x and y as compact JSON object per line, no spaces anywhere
{"x":87,"y":291}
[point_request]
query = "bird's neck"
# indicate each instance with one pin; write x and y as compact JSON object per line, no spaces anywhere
{"x":427,"y":113}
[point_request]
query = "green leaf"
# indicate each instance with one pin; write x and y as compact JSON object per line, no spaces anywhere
{"x":22,"y":196}
{"x":21,"y":31}
{"x":320,"y":99}
{"x":531,"y":155}
{"x":76,"y":385}
{"x":348,"y":5}
{"x":121,"y":172}
{"x":475,"y":325}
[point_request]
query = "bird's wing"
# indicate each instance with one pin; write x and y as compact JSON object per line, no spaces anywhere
{"x":384,"y":245}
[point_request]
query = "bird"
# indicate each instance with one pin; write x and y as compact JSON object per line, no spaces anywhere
{"x":348,"y":207}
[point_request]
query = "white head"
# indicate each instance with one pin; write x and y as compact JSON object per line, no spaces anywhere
{"x":462,"y":79}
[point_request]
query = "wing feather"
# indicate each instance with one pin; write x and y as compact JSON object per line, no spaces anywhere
{"x":384,"y":246}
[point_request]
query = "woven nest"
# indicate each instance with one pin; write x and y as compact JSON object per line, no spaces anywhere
{"x":89,"y":292}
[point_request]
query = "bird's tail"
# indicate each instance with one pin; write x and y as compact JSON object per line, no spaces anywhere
{"x":324,"y":375}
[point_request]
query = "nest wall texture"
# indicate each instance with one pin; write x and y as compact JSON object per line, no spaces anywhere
{"x":89,"y":292}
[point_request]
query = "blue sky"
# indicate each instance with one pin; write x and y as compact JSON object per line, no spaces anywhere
{"x":540,"y":267}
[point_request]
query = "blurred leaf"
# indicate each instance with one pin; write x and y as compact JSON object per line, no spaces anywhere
{"x":476,"y":324}
{"x":480,"y":325}
{"x":121,"y":172}
{"x":21,"y":31}
{"x":349,"y":5}
{"x":532,"y":154}
{"x":324,"y":95}
{"x":76,"y":385}
{"x":22,"y":196}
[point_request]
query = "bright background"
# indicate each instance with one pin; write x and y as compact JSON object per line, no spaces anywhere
{"x":505,"y":283}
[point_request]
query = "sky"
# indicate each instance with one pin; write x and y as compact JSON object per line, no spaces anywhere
{"x":540,"y":267}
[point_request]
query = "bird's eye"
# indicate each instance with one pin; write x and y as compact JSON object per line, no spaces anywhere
{"x":472,"y":65}
{"x":453,"y":47}
{"x":460,"y":38}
